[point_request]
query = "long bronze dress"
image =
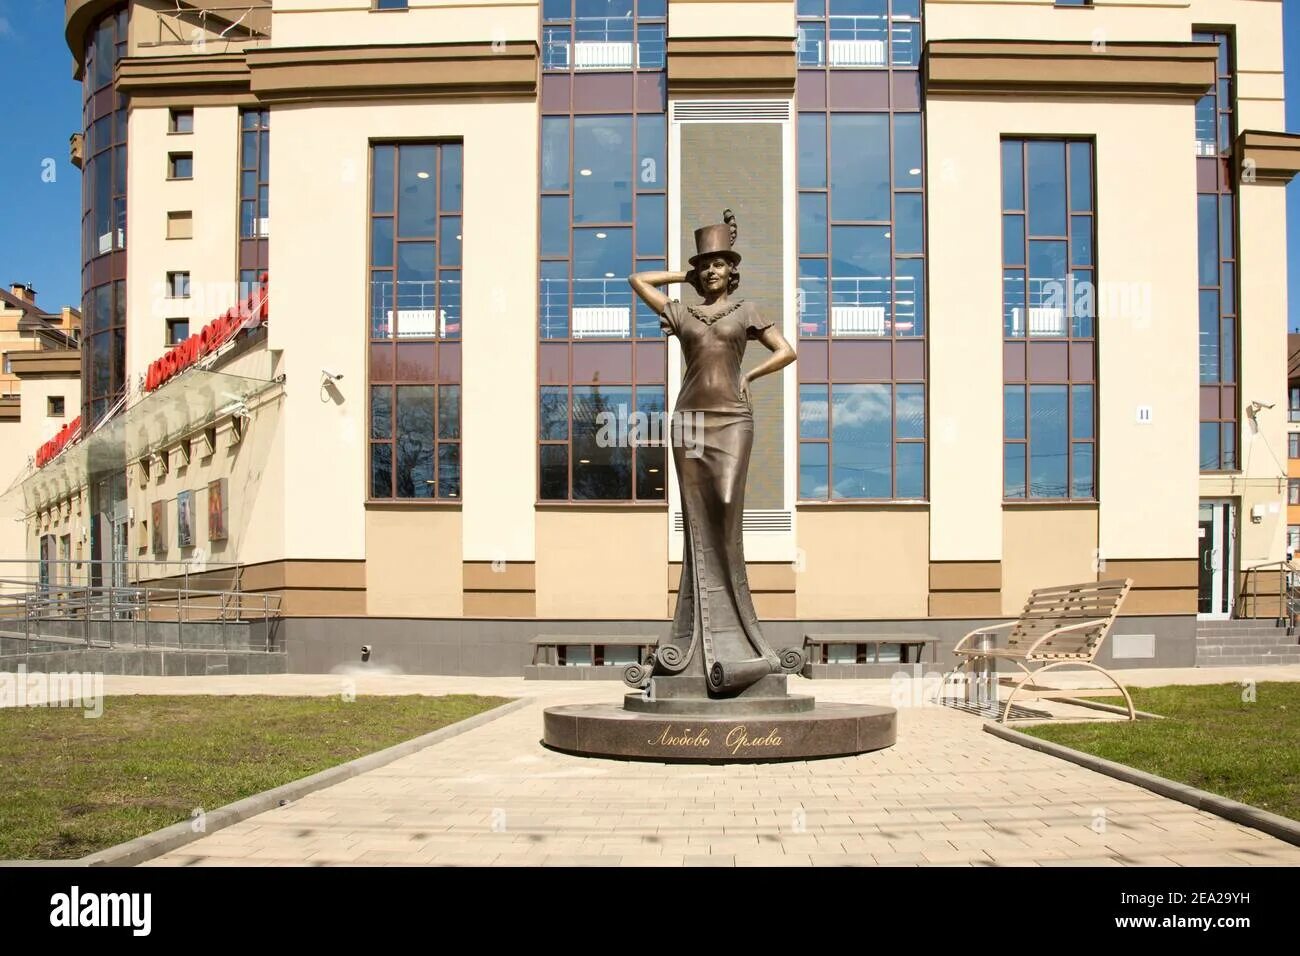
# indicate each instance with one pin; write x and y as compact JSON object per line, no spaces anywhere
{"x":715,"y":632}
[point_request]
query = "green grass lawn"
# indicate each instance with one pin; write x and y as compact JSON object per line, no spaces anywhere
{"x":1211,"y":739}
{"x":70,"y":785}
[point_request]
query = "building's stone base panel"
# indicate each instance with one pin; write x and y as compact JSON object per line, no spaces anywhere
{"x":142,"y":663}
{"x":501,"y":648}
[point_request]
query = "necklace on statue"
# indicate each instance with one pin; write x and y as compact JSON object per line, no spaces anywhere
{"x":709,"y":318}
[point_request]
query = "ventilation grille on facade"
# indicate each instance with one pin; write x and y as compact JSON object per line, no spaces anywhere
{"x":730,"y":111}
{"x":755,"y":522}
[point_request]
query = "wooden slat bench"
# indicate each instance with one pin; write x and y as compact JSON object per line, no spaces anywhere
{"x":1059,"y":626}
{"x":867,"y":653}
{"x":551,"y":655}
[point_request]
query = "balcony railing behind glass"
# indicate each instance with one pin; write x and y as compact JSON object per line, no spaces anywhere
{"x":254,"y":227}
{"x":859,"y":41}
{"x":1055,"y":307}
{"x":603,"y":43}
{"x":860,"y":306}
{"x":601,"y":308}
{"x":408,"y":310}
{"x":1213,"y":127}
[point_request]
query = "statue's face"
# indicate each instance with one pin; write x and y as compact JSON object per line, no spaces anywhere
{"x":715,"y":274}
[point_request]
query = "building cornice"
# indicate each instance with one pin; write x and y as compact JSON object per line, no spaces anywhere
{"x":298,"y":74}
{"x":1068,"y":68}
{"x":209,"y":79}
{"x":57,"y":362}
{"x":731,"y":65}
{"x":1267,"y":157}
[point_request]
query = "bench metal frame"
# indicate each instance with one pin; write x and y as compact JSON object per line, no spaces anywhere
{"x":1059,"y":626}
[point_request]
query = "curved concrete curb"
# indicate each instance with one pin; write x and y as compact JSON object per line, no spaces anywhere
{"x":1246,"y":815}
{"x":1108,"y":708}
{"x":169,"y":838}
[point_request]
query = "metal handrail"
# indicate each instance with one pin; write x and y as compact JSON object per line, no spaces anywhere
{"x":1288,"y":591}
{"x":74,"y":572}
{"x":232,"y":25}
{"x":132,"y":605}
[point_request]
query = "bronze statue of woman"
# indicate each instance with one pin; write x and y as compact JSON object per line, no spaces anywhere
{"x":715,"y":633}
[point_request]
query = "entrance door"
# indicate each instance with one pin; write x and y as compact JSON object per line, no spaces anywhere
{"x":1216,"y":551}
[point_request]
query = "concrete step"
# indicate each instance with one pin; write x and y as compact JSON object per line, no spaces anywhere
{"x":1256,"y":637}
{"x":1278,"y":634}
{"x":1272,"y":634}
{"x":1216,"y":627}
{"x":1237,"y":640}
{"x":1201,"y":653}
{"x":1248,"y":649}
{"x":1243,"y":661}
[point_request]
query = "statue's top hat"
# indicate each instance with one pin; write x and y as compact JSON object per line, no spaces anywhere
{"x":716,"y":240}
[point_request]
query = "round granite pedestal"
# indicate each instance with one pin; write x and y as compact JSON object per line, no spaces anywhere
{"x":719,"y":733}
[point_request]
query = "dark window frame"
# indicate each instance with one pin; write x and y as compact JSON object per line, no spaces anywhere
{"x":824,"y":29}
{"x":254,"y":130}
{"x":173,"y":161}
{"x":104,"y":224}
{"x":178,"y":279}
{"x":553,"y":26}
{"x":1021,"y":345}
{"x":171,"y":338}
{"x":384,"y":341}
{"x":175,"y":116}
{"x":821,"y":346}
{"x":646,"y":353}
{"x":1222,"y":392}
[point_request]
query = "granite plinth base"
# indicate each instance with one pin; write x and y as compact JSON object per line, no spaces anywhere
{"x":726,"y":734}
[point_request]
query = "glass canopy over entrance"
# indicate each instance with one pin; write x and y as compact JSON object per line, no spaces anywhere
{"x":185,"y":405}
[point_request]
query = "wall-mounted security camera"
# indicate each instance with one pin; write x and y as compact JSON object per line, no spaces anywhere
{"x":329,"y":386}
{"x":365,"y":652}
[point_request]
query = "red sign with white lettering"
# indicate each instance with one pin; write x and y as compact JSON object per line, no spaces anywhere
{"x":59,"y":442}
{"x":252,"y":312}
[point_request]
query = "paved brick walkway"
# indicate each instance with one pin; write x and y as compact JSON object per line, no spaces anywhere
{"x":948,"y":793}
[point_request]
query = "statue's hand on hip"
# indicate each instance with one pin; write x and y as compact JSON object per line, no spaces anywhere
{"x":745,"y":395}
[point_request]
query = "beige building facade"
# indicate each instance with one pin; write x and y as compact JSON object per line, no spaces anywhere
{"x":40,"y":393}
{"x":1027,"y":254}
